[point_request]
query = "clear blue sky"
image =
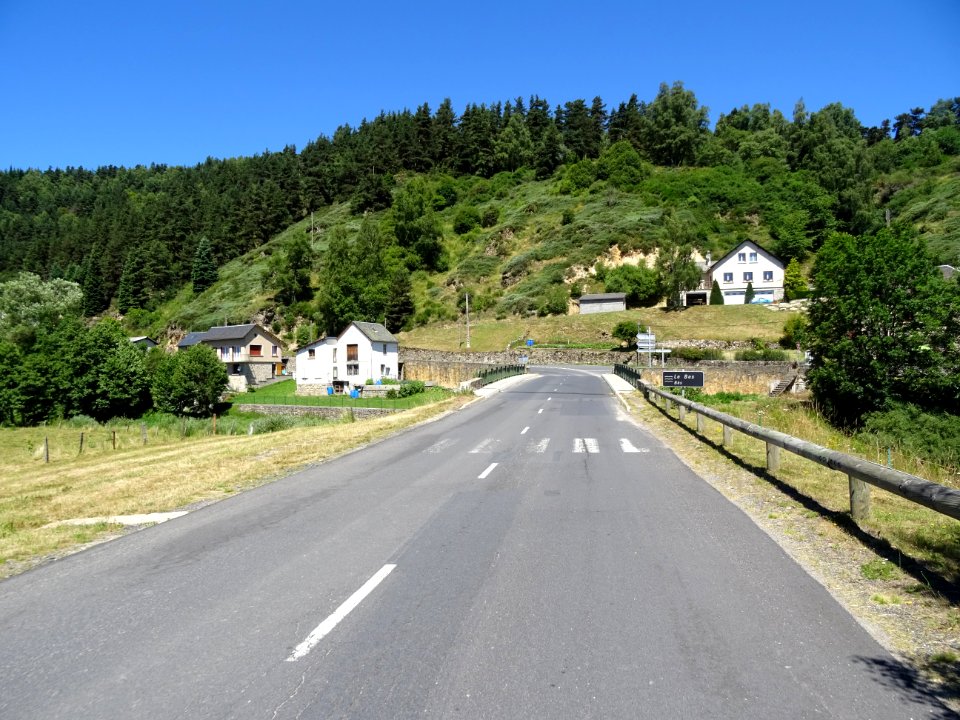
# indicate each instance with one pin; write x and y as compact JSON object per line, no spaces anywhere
{"x":98,"y":83}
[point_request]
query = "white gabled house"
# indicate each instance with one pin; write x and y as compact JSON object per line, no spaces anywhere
{"x":748,"y":263}
{"x":363,"y":351}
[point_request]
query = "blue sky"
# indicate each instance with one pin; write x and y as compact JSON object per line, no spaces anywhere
{"x":109,"y":83}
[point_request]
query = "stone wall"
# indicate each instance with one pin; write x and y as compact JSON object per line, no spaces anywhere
{"x":332,"y":413}
{"x":449,"y":369}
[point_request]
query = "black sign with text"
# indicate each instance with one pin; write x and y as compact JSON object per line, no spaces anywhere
{"x":683,"y":378}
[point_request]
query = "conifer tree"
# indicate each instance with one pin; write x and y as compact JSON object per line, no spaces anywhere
{"x":716,"y":295}
{"x":204,"y":273}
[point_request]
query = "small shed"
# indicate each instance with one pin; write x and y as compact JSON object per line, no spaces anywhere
{"x":602,"y":302}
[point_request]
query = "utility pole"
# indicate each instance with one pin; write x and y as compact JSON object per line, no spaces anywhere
{"x":468,"y":321}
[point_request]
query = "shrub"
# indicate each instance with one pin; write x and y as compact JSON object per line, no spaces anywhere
{"x":490,"y":216}
{"x":765,"y":355}
{"x":411,"y":387}
{"x":695,"y":354}
{"x":466,"y":219}
{"x":795,"y":331}
{"x":625,"y":331}
{"x":931,"y":435}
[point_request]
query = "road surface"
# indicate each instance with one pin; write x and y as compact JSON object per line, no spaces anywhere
{"x":535,"y":555}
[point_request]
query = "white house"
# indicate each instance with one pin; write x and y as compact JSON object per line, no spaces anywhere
{"x":363,"y":351}
{"x":748,"y":263}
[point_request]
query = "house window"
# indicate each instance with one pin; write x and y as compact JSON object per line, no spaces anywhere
{"x":353,"y":353}
{"x":384,"y":351}
{"x":753,"y":257}
{"x":768,"y":275}
{"x":728,"y":277}
{"x":334,"y":373}
{"x":273,"y":352}
{"x":224,"y":353}
{"x":334,"y":355}
{"x":741,"y":257}
{"x":312,"y":354}
{"x":236,"y":369}
{"x":383,"y":370}
{"x":256,"y":351}
{"x":748,"y":277}
{"x":353,"y":369}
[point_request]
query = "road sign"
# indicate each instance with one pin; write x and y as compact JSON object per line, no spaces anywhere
{"x":646,"y":341}
{"x":683,"y":378}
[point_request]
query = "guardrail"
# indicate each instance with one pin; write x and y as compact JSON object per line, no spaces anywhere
{"x":499,"y":373}
{"x":861,"y":473}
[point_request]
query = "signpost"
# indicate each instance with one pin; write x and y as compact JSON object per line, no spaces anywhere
{"x":683,"y":378}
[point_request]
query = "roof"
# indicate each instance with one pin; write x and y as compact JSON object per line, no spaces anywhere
{"x":948,"y":271}
{"x":738,"y":248}
{"x":603,"y":297}
{"x":374,"y":332}
{"x":191,"y":338}
{"x":228,"y":332}
{"x":142,"y":338}
{"x":222,"y":333}
{"x":328,"y":340}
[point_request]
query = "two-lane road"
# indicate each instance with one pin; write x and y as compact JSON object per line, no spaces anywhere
{"x":535,"y":555}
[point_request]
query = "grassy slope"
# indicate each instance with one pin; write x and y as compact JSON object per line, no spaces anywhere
{"x":509,"y":267}
{"x":724,"y":323}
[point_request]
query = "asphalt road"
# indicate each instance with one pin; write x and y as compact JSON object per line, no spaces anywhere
{"x":535,"y":555}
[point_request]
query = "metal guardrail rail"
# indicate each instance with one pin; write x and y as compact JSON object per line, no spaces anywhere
{"x":861,"y":473}
{"x":499,"y":373}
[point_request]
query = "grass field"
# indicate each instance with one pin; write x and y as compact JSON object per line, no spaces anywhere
{"x":170,"y":471}
{"x":285,"y":393}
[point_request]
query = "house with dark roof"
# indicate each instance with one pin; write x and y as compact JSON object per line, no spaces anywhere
{"x":363,"y":351}
{"x":252,"y":354}
{"x":746,"y":264}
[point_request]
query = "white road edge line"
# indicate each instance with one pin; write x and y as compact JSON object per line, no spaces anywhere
{"x":483,"y":475}
{"x":524,"y":431}
{"x":339,"y":614}
{"x":540,"y":411}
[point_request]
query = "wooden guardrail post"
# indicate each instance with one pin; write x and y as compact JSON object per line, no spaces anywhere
{"x":727,"y":435}
{"x":859,"y":499}
{"x":681,"y":412}
{"x":773,"y":457}
{"x":699,"y":423}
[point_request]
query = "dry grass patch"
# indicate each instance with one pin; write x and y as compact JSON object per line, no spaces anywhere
{"x":167,"y":474}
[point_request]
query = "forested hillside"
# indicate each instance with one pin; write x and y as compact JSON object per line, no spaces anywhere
{"x":393,"y":220}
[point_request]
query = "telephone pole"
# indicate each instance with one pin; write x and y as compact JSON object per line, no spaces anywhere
{"x":468,"y":320}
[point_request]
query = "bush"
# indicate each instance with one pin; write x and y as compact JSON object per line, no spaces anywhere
{"x":795,"y":331}
{"x":765,"y":355}
{"x":695,"y":354}
{"x":466,"y":219}
{"x":490,"y":216}
{"x":411,"y":387}
{"x":625,"y":331}
{"x":932,"y":436}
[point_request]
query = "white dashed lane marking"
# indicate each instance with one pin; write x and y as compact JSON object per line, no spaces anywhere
{"x":486,"y":446}
{"x":540,"y":447}
{"x":586,"y":445}
{"x":628,"y":447}
{"x":440,"y":446}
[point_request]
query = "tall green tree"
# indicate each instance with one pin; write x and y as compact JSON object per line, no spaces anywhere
{"x":885,"y":326}
{"x":674,"y":126}
{"x":675,"y":265}
{"x":204,"y":272}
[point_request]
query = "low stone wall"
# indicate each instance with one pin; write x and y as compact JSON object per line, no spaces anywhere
{"x":332,"y":413}
{"x":449,"y":369}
